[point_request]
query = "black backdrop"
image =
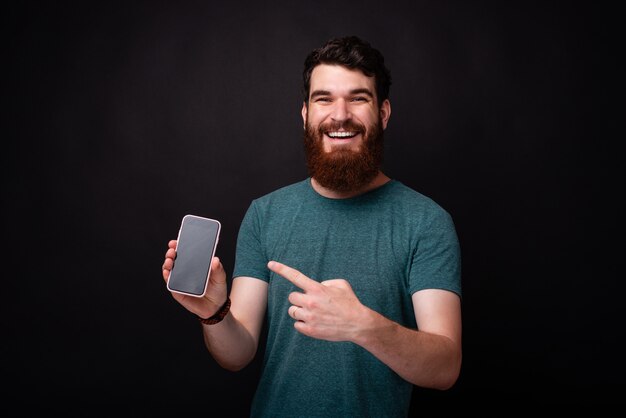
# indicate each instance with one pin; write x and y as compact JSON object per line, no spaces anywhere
{"x":123,"y":117}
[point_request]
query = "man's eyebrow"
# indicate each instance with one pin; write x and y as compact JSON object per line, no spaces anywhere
{"x":365,"y":91}
{"x":319,"y":93}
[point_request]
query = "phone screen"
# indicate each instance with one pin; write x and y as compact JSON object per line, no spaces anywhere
{"x":197,"y":241}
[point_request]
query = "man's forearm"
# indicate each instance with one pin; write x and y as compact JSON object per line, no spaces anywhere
{"x":424,"y":359}
{"x":230,"y":343}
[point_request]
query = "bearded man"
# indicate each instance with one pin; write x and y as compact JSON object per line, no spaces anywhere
{"x":357,"y":276}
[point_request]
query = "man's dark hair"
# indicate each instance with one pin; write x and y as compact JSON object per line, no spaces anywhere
{"x":354,"y":53}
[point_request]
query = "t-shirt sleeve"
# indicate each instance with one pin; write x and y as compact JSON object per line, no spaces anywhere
{"x":436,"y":262}
{"x":250,"y":260}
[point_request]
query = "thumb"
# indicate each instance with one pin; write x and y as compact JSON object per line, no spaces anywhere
{"x":340,"y":283}
{"x":218,"y":274}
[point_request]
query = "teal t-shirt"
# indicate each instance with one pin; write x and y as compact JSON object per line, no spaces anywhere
{"x":388,"y":244}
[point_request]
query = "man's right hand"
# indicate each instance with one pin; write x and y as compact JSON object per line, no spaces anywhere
{"x":216,"y":292}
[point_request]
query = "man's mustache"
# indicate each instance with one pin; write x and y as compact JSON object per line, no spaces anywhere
{"x":350,"y":126}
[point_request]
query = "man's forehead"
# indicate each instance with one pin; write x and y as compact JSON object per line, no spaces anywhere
{"x":337,"y":77}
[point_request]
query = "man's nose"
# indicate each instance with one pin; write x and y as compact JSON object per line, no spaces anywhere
{"x":341,"y":111}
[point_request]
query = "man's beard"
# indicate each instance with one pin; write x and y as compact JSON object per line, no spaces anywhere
{"x":343,"y":169}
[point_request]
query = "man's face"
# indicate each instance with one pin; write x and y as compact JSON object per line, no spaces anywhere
{"x":343,"y":128}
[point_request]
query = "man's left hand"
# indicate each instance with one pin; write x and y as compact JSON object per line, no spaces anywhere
{"x":328,"y":310}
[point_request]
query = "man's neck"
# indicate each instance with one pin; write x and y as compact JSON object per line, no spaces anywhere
{"x":378,"y":181}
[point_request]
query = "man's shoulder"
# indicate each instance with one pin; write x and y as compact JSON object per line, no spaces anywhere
{"x":413,"y":200}
{"x":409,"y":194}
{"x":285,"y":192}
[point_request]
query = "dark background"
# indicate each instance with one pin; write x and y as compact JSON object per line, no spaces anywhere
{"x":123,"y":117}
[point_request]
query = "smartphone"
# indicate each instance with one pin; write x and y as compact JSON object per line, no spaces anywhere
{"x":197,"y":241}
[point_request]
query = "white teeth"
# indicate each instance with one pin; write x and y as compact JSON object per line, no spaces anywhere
{"x":341,"y":134}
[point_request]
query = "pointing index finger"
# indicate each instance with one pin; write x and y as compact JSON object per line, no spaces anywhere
{"x":293,"y":275}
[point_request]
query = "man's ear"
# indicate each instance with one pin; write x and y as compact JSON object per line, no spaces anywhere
{"x":385,"y":112}
{"x":304,"y":111}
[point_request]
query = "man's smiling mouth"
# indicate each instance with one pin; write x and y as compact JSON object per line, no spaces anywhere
{"x":341,"y":134}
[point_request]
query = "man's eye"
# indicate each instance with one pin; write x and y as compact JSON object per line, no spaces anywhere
{"x":322,"y":99}
{"x":359,"y":99}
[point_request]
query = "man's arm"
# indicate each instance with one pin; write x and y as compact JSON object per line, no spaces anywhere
{"x":233,"y":342}
{"x":429,"y":357}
